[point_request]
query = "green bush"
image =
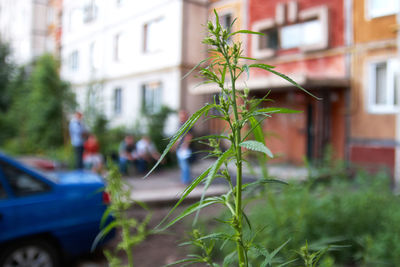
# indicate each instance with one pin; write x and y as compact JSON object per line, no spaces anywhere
{"x":361,"y":214}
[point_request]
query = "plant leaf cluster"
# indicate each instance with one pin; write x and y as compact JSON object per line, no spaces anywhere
{"x":244,"y":115}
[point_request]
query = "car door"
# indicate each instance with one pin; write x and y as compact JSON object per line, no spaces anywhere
{"x":7,"y":216}
{"x":29,"y":207}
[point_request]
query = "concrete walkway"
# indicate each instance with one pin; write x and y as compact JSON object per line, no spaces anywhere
{"x":164,"y":187}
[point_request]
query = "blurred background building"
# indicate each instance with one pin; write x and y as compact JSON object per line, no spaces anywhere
{"x":32,"y":27}
{"x":125,"y":58}
{"x":128,"y":57}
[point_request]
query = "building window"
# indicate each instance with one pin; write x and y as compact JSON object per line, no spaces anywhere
{"x":310,"y":32}
{"x":226,"y":20}
{"x":90,"y":11}
{"x":121,"y":47}
{"x":73,"y":60}
{"x":269,"y":40}
{"x":119,"y":2}
{"x":384,"y":89}
{"x":153,"y":36}
{"x":380,"y":8}
{"x":94,"y":56}
{"x":151,"y":97}
{"x":117,"y":101}
{"x":301,"y":35}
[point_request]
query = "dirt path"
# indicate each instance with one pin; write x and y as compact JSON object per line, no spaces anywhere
{"x":157,"y":250}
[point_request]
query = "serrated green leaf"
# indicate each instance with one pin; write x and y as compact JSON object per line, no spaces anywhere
{"x":228,"y":260}
{"x":212,"y":174}
{"x":264,"y":181}
{"x":103,"y":233}
{"x":278,"y":110}
{"x":245,"y":31}
{"x":213,"y":136}
{"x":249,"y":58}
{"x":185,"y":193}
{"x":195,"y":67}
{"x":246,"y":69}
{"x":182,"y":131}
{"x":257,"y":146}
{"x":268,"y":68}
{"x":191,"y":209}
{"x":181,"y":261}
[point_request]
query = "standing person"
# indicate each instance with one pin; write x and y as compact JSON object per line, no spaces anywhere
{"x":77,"y":132}
{"x":183,"y":151}
{"x":126,"y":153}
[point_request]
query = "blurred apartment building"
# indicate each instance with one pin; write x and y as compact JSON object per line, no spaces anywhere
{"x":374,"y":135}
{"x":125,"y":57}
{"x":128,"y":57}
{"x":31,"y":27}
{"x":343,"y":51}
{"x":305,"y":40}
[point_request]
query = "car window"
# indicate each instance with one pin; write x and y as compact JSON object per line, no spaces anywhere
{"x":3,"y":193}
{"x":22,"y":183}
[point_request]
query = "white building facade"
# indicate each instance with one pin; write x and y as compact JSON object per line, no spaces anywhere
{"x":123,"y":57}
{"x":30,"y":27}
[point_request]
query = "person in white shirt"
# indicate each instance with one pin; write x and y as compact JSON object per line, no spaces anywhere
{"x":145,"y":153}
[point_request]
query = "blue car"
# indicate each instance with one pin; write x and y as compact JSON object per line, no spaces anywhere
{"x":45,"y":218}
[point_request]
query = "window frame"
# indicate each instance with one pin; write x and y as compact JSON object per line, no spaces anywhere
{"x":118,"y":106}
{"x":74,"y":60}
{"x":156,"y":103}
{"x":390,"y":107}
{"x":147,"y":35}
{"x":370,"y":15}
{"x":319,"y":13}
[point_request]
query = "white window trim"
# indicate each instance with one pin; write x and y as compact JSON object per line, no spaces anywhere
{"x":371,"y":94}
{"x":255,"y":50}
{"x":117,"y":111}
{"x":320,"y":13}
{"x":145,"y":26}
{"x":368,"y":14}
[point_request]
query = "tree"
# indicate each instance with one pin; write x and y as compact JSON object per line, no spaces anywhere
{"x":6,"y":70}
{"x":50,"y":99}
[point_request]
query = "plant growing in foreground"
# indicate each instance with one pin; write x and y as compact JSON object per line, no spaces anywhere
{"x":244,"y":116}
{"x":132,"y":231}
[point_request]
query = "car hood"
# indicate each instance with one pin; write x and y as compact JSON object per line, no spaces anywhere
{"x":78,"y":177}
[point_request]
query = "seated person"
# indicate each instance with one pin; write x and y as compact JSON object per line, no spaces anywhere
{"x":92,"y":159}
{"x":126,"y":153}
{"x":145,"y":153}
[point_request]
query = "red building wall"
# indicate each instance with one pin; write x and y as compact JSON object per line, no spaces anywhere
{"x":287,"y":134}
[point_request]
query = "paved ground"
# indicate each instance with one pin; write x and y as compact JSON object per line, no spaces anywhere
{"x":164,"y":186}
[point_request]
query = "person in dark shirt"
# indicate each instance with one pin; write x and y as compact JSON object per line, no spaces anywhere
{"x":127,"y":153}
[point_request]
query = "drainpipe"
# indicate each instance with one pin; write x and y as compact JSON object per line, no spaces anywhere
{"x":348,"y":37}
{"x":397,"y":154}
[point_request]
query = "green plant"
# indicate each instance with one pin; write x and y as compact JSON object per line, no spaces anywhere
{"x":132,"y":231}
{"x":224,"y":68}
{"x":155,"y":124}
{"x":35,"y":120}
{"x":356,"y":218}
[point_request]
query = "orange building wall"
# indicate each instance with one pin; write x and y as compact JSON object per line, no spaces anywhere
{"x":366,"y":30}
{"x":235,"y":7}
{"x":365,"y":125}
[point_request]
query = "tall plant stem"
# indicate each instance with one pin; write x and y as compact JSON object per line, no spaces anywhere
{"x":238,"y":196}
